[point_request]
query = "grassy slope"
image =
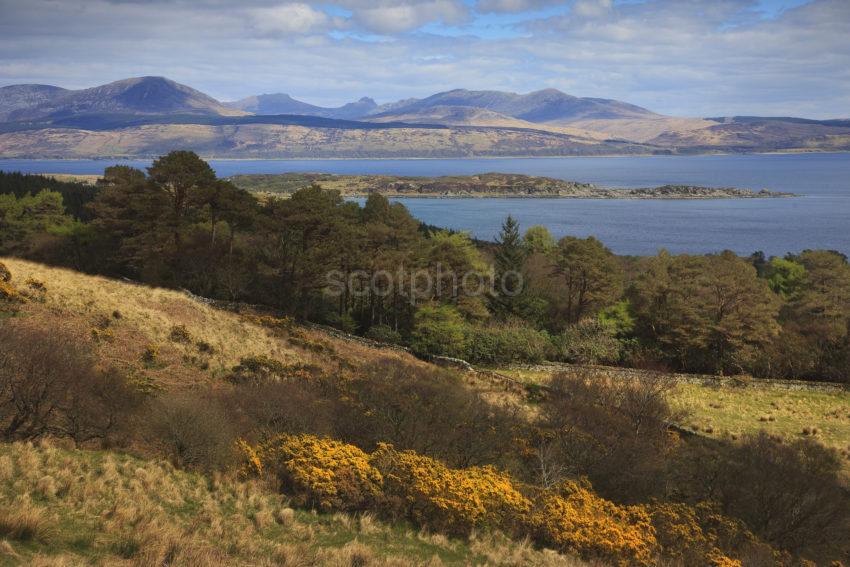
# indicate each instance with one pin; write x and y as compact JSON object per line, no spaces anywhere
{"x":133,"y":318}
{"x":728,"y":410}
{"x":61,"y":507}
{"x":108,"y":508}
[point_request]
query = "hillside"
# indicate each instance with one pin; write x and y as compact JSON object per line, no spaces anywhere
{"x":124,"y":321}
{"x":69,"y":507}
{"x":468,"y":457}
{"x":21,"y":97}
{"x":472,"y":116}
{"x":275,"y":141}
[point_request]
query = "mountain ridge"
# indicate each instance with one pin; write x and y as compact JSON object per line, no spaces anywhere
{"x":149,"y":114}
{"x":280,"y":103}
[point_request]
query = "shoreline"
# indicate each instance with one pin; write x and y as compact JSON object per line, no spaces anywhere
{"x":458,"y":158}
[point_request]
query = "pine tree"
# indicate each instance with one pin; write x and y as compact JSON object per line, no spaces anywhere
{"x":509,"y":284}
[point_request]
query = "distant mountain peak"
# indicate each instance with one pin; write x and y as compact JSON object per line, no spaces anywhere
{"x":549,"y":106}
{"x":135,"y":95}
{"x":280,"y":103}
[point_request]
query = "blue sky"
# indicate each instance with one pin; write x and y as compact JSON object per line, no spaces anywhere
{"x":679,"y":57}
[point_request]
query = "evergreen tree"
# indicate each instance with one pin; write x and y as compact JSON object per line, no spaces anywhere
{"x":509,"y":283}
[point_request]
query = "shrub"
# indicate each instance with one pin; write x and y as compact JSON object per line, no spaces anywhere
{"x":263,"y":369}
{"x":611,"y":429}
{"x":454,"y":501}
{"x":151,"y":354}
{"x":573,"y":519}
{"x":7,"y":290}
{"x":192,"y":430}
{"x":439,"y":330}
{"x":49,"y":385}
{"x":790,"y":494}
{"x":319,"y":472}
{"x":700,"y":535}
{"x":590,"y":341}
{"x":180,"y":334}
{"x":507,"y":344}
{"x":423,"y":409}
{"x":36,"y":285}
{"x":278,"y":325}
{"x":271,"y":408}
{"x":383,"y":334}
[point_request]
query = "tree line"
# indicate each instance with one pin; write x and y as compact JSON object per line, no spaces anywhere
{"x":572,"y":299}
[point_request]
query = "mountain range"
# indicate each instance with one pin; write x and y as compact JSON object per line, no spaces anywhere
{"x":145,"y":116}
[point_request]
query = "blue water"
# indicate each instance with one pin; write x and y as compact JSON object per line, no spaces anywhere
{"x":818,"y":219}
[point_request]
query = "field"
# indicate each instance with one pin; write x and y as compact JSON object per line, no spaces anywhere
{"x":717,"y":411}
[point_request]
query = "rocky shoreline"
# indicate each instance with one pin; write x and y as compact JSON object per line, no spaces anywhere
{"x":488,"y":185}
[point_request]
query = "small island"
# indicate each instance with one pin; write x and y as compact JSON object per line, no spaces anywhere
{"x":482,"y":185}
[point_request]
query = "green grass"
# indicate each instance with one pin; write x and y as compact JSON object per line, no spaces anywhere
{"x":733,"y":411}
{"x":738,"y":410}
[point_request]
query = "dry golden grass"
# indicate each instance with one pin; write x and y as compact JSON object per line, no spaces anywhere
{"x":60,"y":507}
{"x":132,"y":327}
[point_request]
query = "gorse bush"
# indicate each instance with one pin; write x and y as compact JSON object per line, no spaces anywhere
{"x":572,"y":518}
{"x":318,"y":472}
{"x":694,"y":534}
{"x":453,"y":501}
{"x":7,"y":290}
{"x":264,"y":369}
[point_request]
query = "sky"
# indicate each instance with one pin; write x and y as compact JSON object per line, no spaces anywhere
{"x":677,"y":57}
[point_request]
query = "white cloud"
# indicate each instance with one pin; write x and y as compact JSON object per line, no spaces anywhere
{"x":294,"y":18}
{"x":396,"y":16}
{"x":683,"y":57}
{"x":592,"y":8}
{"x":485,"y":6}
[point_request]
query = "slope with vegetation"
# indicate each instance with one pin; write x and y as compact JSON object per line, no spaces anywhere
{"x":456,"y":465}
{"x":588,"y":467}
{"x":68,"y":507}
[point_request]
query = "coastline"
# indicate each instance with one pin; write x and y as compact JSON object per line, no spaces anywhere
{"x":455,"y":158}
